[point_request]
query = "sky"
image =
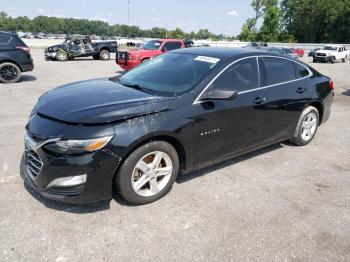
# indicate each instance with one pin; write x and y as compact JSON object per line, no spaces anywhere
{"x":219,"y":16}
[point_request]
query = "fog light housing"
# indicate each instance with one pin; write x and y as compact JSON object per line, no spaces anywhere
{"x":68,"y":181}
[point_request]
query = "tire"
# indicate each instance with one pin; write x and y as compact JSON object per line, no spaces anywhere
{"x":105,"y":55}
{"x":307,"y":127}
{"x":135,"y":186}
{"x":9,"y":73}
{"x":332,"y":60}
{"x":314,"y":60}
{"x":61,"y":56}
{"x":343,"y":60}
{"x":96,"y":57}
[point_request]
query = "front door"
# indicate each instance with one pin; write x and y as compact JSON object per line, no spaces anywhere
{"x":226,"y":127}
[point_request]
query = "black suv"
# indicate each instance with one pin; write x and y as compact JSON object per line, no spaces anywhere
{"x":15,"y":58}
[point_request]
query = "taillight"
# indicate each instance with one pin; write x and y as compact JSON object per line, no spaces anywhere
{"x":331,"y":84}
{"x":24,"y":48}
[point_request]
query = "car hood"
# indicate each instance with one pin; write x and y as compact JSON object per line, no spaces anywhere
{"x":325,"y":51}
{"x":98,"y":101}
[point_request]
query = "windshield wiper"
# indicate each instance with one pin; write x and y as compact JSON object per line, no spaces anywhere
{"x":137,"y":87}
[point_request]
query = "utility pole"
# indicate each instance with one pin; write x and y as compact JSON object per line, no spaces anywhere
{"x":166,"y":27}
{"x":128,"y":18}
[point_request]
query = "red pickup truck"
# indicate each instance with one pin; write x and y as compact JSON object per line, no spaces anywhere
{"x":130,"y":59}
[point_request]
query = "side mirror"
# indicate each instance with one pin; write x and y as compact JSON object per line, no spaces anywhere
{"x":220,"y":94}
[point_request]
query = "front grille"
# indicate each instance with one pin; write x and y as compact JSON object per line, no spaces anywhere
{"x":123,"y":55}
{"x":33,"y":162}
{"x":67,"y":191}
{"x":320,"y":54}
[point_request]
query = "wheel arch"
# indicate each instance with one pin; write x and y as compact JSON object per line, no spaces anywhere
{"x":319,"y":106}
{"x":105,"y":48}
{"x":11,"y":61}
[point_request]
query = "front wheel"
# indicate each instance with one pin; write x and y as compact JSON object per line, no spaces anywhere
{"x":9,"y":73}
{"x":307,"y":127}
{"x":148,"y":174}
{"x":332,"y":60}
{"x":61,"y":56}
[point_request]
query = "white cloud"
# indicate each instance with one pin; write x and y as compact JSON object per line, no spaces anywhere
{"x":218,"y":18}
{"x":40,"y":10}
{"x":111,"y":14}
{"x":101,"y":19}
{"x":83,"y":2}
{"x":232,"y":13}
{"x":153,"y":9}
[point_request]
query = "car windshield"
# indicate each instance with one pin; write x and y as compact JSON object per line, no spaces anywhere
{"x":330,"y":48}
{"x":151,"y":45}
{"x":170,"y":74}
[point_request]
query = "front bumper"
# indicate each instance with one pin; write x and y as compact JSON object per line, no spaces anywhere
{"x":99,"y":168}
{"x":321,"y":58}
{"x":50,"y":55}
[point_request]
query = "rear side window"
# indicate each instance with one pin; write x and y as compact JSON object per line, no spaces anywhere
{"x":241,"y":76}
{"x":172,"y":46}
{"x":276,"y":70}
{"x":300,"y":71}
{"x":4,"y":39}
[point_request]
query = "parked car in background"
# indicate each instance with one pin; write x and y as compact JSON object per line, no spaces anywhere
{"x":300,"y":52}
{"x":77,"y":46}
{"x":257,"y":44}
{"x":313,"y":52}
{"x":15,"y":58}
{"x":331,"y":53}
{"x":177,"y":113}
{"x":130,"y":59}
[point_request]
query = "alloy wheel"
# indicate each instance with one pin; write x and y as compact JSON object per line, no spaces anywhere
{"x":309,"y":126}
{"x":151,"y":174}
{"x":8,"y":73}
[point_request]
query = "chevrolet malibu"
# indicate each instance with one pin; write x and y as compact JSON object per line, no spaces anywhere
{"x":179,"y":112}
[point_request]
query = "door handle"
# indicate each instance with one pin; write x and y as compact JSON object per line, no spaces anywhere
{"x":301,"y":90}
{"x":259,"y":100}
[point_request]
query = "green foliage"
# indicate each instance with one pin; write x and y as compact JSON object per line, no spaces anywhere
{"x":57,"y":25}
{"x":299,"y":20}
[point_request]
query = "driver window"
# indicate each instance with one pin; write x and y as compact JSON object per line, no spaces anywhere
{"x":241,"y":76}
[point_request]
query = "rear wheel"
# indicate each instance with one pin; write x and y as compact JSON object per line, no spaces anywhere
{"x":105,"y":55}
{"x":148,"y":173}
{"x":61,"y":56}
{"x":307,"y":127}
{"x":343,"y":60}
{"x":9,"y":73}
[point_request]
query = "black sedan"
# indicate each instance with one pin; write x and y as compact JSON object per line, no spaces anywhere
{"x":176,"y":113}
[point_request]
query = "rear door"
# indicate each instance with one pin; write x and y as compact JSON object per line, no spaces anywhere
{"x":287,"y":92}
{"x":226,"y":127}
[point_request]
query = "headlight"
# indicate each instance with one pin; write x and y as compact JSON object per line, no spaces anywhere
{"x":78,"y":146}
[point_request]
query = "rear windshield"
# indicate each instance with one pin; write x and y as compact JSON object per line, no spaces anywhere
{"x":170,"y":74}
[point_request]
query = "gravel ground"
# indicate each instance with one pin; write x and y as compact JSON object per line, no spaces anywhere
{"x":282,"y":203}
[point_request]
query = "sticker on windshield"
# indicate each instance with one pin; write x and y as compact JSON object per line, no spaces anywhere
{"x":156,"y":44}
{"x":207,"y":59}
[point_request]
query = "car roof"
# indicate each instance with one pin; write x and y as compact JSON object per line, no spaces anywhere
{"x":332,"y":45}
